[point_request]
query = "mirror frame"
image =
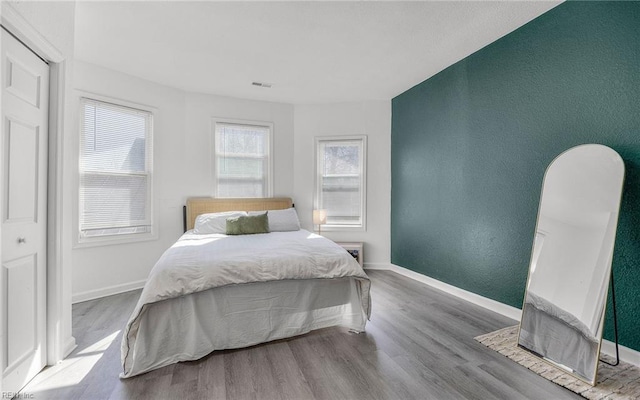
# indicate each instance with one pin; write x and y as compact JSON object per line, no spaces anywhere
{"x":559,"y":366}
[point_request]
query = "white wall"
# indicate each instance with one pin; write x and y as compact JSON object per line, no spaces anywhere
{"x":371,"y":118}
{"x":104,"y":269}
{"x":182,"y":168}
{"x":198,"y":138}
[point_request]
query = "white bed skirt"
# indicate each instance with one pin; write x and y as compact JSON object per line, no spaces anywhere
{"x":236,"y":316}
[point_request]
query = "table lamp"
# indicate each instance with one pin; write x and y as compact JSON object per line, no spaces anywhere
{"x":319,"y":218}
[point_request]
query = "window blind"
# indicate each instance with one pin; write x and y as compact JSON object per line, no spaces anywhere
{"x":242,"y":160}
{"x":115,"y":169}
{"x":340,"y":181}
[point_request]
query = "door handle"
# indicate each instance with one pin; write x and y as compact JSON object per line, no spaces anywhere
{"x":22,"y":240}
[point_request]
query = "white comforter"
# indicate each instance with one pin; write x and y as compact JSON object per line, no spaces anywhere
{"x":200,"y":262}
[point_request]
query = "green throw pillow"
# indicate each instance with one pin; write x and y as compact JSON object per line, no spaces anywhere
{"x":247,"y":225}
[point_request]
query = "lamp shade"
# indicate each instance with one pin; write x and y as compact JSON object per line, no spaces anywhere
{"x":319,"y":217}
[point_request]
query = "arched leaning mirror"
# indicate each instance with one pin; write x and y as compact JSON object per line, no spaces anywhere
{"x":565,"y":299}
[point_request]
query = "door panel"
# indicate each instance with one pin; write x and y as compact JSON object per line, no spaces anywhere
{"x":22,"y":82}
{"x":21,"y":167}
{"x":22,"y":275}
{"x":24,"y":128}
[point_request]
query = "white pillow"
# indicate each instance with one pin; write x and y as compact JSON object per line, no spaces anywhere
{"x":214,"y":222}
{"x":281,"y":220}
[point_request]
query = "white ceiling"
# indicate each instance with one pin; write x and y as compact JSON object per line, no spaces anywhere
{"x":311,"y":52}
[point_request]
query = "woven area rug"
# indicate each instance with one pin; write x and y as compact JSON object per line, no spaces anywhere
{"x":619,"y":382}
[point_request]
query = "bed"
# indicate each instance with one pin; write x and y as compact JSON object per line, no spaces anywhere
{"x":214,"y":291}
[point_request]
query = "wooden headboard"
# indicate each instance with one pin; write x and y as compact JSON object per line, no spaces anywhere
{"x":202,"y":205}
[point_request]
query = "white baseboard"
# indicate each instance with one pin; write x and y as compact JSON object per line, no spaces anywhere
{"x":107,"y":291}
{"x":496,"y":306}
{"x":69,"y":346}
{"x":376,"y":266}
{"x":628,"y":355}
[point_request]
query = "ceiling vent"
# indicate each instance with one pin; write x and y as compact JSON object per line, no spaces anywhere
{"x":261,"y":84}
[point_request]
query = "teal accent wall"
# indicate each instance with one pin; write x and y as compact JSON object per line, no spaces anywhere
{"x":470,"y":146}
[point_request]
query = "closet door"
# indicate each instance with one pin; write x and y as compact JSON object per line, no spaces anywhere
{"x":23,"y":166}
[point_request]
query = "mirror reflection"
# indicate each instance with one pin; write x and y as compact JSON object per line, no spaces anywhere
{"x":563,"y":310}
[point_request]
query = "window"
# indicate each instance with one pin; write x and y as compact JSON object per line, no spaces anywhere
{"x":115,"y":170}
{"x":242,"y":159}
{"x":341,"y":180}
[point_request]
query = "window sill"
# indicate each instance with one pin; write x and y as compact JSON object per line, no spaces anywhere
{"x":343,"y":228}
{"x":100,"y":241}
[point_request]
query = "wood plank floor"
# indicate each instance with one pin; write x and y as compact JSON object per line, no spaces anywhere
{"x":418,"y":345}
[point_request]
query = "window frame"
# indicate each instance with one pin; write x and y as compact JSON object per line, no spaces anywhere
{"x":214,"y":158}
{"x":319,"y":140}
{"x":81,"y":241}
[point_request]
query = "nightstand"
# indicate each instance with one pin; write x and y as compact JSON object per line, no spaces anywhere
{"x":355,"y":249}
